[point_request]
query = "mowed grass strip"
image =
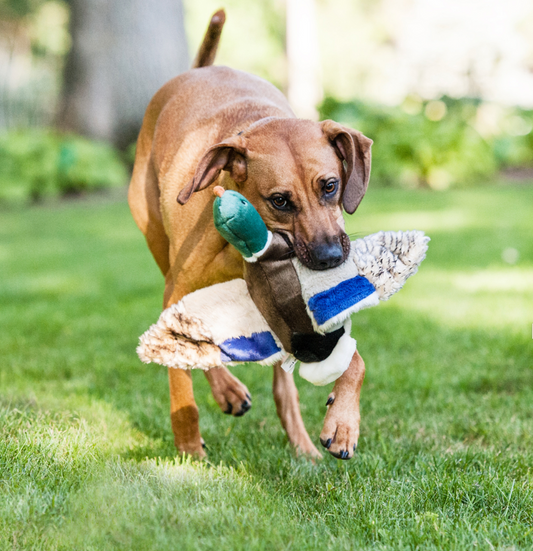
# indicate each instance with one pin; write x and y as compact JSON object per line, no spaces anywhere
{"x":445,"y":456}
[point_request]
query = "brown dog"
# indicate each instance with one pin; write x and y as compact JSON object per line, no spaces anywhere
{"x":214,"y":125}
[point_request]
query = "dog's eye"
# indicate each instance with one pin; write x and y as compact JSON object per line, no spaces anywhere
{"x":280,"y":202}
{"x":330,"y":187}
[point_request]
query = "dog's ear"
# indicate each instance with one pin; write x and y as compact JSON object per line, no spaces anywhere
{"x":228,"y":155}
{"x":353,"y":148}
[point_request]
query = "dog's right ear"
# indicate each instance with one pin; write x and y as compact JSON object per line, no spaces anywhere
{"x":228,"y":155}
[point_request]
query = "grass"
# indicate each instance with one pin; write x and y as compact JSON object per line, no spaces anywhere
{"x":446,"y":451}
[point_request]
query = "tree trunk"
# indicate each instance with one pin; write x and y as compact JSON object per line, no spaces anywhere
{"x":122,"y":52}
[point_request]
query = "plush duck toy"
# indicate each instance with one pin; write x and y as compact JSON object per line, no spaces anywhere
{"x":281,"y":309}
{"x":271,"y":278}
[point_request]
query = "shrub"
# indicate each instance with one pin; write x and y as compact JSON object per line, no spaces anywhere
{"x":37,"y":164}
{"x":438,"y":143}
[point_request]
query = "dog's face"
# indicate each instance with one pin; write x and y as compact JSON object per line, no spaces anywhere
{"x":298,"y":175}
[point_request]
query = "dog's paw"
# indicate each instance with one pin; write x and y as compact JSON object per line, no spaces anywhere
{"x":230,"y":394}
{"x":194,"y":449}
{"x":306,"y":448}
{"x":341,"y":429}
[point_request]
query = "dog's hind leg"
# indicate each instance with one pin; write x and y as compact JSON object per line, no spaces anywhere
{"x":288,"y":408}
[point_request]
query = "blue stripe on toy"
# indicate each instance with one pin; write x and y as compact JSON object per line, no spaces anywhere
{"x":249,"y":349}
{"x":329,"y":303}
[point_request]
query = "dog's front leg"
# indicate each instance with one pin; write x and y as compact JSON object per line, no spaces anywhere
{"x":341,"y":425}
{"x":288,"y":408}
{"x":230,"y":394}
{"x":184,"y":413}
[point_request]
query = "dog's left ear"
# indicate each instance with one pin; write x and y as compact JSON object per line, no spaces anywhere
{"x":228,"y":155}
{"x":354,"y":148}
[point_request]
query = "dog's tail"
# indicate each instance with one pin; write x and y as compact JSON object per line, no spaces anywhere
{"x":208,"y":50}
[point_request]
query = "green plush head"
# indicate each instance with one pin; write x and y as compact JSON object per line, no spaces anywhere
{"x":239,"y":223}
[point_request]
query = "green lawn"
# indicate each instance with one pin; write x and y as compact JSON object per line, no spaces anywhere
{"x":446,"y":451}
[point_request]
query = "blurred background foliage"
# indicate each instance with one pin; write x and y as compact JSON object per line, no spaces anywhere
{"x":420,"y":140}
{"x":37,"y":164}
{"x":439,"y":143}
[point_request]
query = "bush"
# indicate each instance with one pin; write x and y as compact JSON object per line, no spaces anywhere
{"x":37,"y":164}
{"x":438,"y":143}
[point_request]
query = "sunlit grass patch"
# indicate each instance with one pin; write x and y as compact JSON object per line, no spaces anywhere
{"x":492,"y":299}
{"x":180,"y":503}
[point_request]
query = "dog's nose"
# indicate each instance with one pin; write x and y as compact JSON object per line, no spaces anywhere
{"x":326,"y":255}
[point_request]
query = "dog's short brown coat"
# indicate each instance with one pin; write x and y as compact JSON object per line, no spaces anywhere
{"x":218,"y":125}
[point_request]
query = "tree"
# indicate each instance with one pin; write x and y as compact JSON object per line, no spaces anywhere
{"x":122,"y":52}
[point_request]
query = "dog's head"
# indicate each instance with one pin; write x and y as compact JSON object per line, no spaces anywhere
{"x":298,"y":174}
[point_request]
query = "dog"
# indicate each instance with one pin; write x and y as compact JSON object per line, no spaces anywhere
{"x":219,"y":126}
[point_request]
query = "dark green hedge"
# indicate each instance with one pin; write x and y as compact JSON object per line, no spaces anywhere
{"x":37,"y":164}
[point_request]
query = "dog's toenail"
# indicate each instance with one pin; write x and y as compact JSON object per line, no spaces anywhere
{"x":330,"y":401}
{"x":229,"y":409}
{"x":344,"y":455}
{"x":326,"y":443}
{"x":204,"y":445}
{"x":354,"y":446}
{"x":249,"y":397}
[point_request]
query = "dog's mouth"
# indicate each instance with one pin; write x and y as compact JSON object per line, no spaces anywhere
{"x":321,"y":256}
